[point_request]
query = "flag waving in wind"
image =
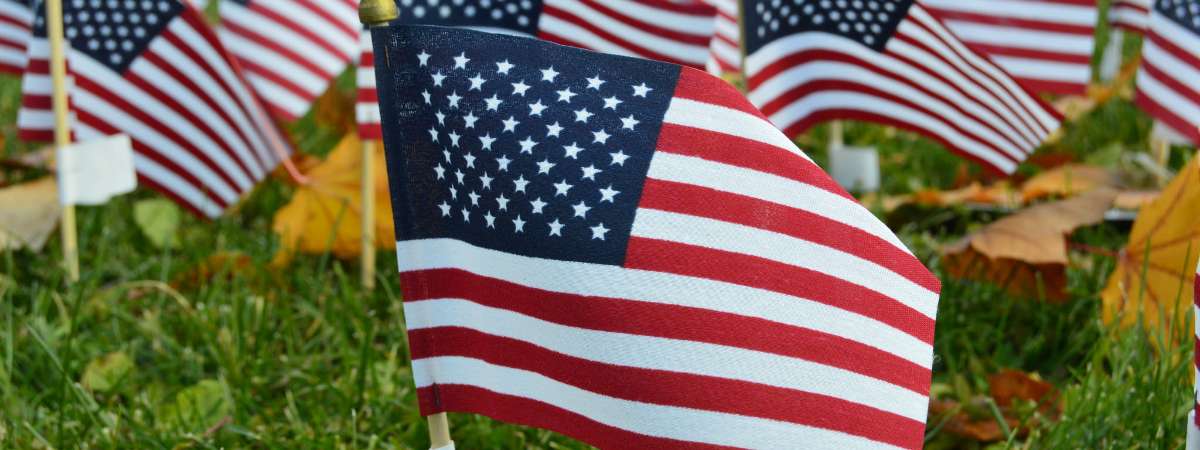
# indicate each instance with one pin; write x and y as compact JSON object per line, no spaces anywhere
{"x":888,"y":61}
{"x":16,"y":23}
{"x":628,"y":252}
{"x":1168,"y":83}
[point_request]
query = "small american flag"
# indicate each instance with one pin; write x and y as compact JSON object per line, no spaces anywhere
{"x":1129,"y":14}
{"x":291,"y":49}
{"x":16,"y":19}
{"x":153,"y":69}
{"x":367,"y":102}
{"x":1045,"y":44}
{"x":1167,"y":85}
{"x":725,"y":48}
{"x":888,"y":61}
{"x":627,"y":252}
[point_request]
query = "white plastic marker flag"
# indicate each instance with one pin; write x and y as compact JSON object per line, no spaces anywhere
{"x":92,"y":172}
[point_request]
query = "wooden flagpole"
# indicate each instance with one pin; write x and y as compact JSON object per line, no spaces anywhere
{"x":368,"y":214}
{"x":62,"y":128}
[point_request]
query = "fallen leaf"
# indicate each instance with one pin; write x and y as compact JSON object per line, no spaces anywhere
{"x":325,"y":215}
{"x":1135,"y":199}
{"x":159,"y":221}
{"x":1026,"y":253}
{"x":28,"y":214}
{"x":199,"y":406}
{"x":1155,"y":270}
{"x":218,"y":267}
{"x":1009,"y":385}
{"x":105,"y":373}
{"x":1067,"y":180}
{"x":977,"y":421}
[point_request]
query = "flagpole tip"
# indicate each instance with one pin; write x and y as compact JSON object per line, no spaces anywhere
{"x":377,"y":12}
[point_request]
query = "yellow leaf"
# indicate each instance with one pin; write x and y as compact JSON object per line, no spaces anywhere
{"x":326,"y":214}
{"x":28,"y":213}
{"x":1155,"y":271}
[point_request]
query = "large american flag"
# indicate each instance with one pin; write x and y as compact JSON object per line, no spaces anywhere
{"x":627,"y":252}
{"x":153,"y":69}
{"x":291,"y":49}
{"x":1045,"y":44}
{"x":893,"y":62}
{"x":16,"y":21}
{"x":1129,"y":14}
{"x":1168,"y":83}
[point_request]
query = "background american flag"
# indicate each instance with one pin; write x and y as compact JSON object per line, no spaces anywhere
{"x":627,"y":252}
{"x":1129,"y":14}
{"x":16,"y":21}
{"x":892,"y":62}
{"x":725,"y":48}
{"x":1168,"y":83}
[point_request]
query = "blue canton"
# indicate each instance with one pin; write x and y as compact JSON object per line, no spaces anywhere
{"x":1186,"y":13}
{"x":517,"y":144}
{"x":870,"y":22}
{"x":511,"y":15}
{"x":112,"y":32}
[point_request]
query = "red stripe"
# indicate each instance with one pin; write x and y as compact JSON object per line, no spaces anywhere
{"x":523,"y":411}
{"x":660,"y":387}
{"x":652,"y":26}
{"x":761,"y":273}
{"x":1054,"y":87}
{"x":283,"y":82}
{"x":1048,"y":55}
{"x":1183,"y":55}
{"x":1155,"y":108}
{"x":1182,"y":90}
{"x":370,"y":131}
{"x":701,"y":86}
{"x":1018,"y":24}
{"x":275,"y":47}
{"x":310,"y":36}
{"x":631,"y":316}
{"x":18,"y":22}
{"x":587,"y":24}
{"x":367,"y":95}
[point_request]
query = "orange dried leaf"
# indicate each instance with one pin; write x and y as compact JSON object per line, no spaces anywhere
{"x":1135,"y":199}
{"x":219,"y":266}
{"x":1009,"y":385}
{"x":1067,"y":180}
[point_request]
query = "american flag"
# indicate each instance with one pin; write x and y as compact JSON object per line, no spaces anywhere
{"x":1045,"y":44}
{"x":153,"y":69}
{"x":1167,"y":85}
{"x":291,"y":49}
{"x":888,"y":61}
{"x":16,"y":19}
{"x":627,"y":252}
{"x":1193,"y":425}
{"x":1129,"y":14}
{"x":725,"y":48}
{"x":366,"y":107}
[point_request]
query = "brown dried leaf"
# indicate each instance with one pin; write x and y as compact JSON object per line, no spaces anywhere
{"x":1135,"y":199}
{"x":218,"y":267}
{"x":1009,"y":385}
{"x":1068,"y":180}
{"x":28,"y":214}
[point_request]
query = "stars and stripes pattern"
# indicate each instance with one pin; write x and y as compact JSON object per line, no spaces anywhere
{"x":154,"y":70}
{"x":1129,"y":14}
{"x":16,"y":21}
{"x":629,"y":253}
{"x":725,"y":48}
{"x":1045,"y":44}
{"x":892,"y":62}
{"x":1193,"y":425}
{"x":366,"y":105}
{"x":291,"y":50}
{"x":1167,"y":85}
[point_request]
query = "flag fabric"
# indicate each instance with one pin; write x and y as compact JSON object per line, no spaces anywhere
{"x":1129,"y":14}
{"x":366,"y":106}
{"x":1045,"y":44}
{"x":291,"y":50}
{"x":888,"y":61}
{"x":1167,"y":86}
{"x":725,"y":48}
{"x":627,"y":252}
{"x":16,"y":21}
{"x":1193,"y":425}
{"x":154,"y":70}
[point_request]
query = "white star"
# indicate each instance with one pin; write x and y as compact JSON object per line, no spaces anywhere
{"x":583,"y":115}
{"x":503,"y":162}
{"x":437,"y":78}
{"x":503,"y":67}
{"x":535,"y":109}
{"x":441,"y":172}
{"x":556,"y":228}
{"x":474,"y":198}
{"x":441,"y":118}
{"x":493,"y":102}
{"x":470,"y":119}
{"x":618,"y":158}
{"x":446,"y":153}
{"x":459,"y":174}
{"x":453,"y":192}
{"x":553,"y":130}
{"x":428,"y":99}
{"x":589,"y":172}
{"x":544,"y":166}
{"x":641,"y":90}
{"x":608,"y":194}
{"x":476,"y":83}
{"x":520,"y":184}
{"x":491,"y":220}
{"x":612,"y":102}
{"x":445,"y":207}
{"x":629,"y":122}
{"x":581,"y":209}
{"x":503,"y":202}
{"x":466,"y":214}
{"x":424,"y":57}
{"x":537,"y":205}
{"x":527,"y":145}
{"x":595,"y":82}
{"x":599,"y":231}
{"x":519,"y":88}
{"x":565,"y":95}
{"x":561,"y":188}
{"x":486,"y":181}
{"x":572,"y":150}
{"x":600,"y":136}
{"x":486,"y":141}
{"x":470,"y":160}
{"x":433,"y":134}
{"x":460,"y":61}
{"x":453,"y":98}
{"x":454,"y":139}
{"x":510,"y":124}
{"x":549,"y":74}
{"x":518,"y":224}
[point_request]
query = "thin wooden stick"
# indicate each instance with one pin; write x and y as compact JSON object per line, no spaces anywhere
{"x":439,"y":431}
{"x":836,"y":136}
{"x":62,"y":130}
{"x":368,"y":214}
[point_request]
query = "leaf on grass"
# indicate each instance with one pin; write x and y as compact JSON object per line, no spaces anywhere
{"x":1026,"y":253}
{"x":159,"y":221}
{"x":28,"y":214}
{"x":1068,"y":180}
{"x":1010,"y":385}
{"x":217,"y":267}
{"x":326,"y":215}
{"x":199,"y":406}
{"x":105,"y":373}
{"x":977,"y":420}
{"x":1156,"y":269}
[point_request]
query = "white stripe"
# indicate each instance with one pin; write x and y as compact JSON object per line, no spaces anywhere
{"x":367,"y":113}
{"x":1042,"y":69}
{"x":707,"y":116}
{"x":12,"y":57}
{"x":278,"y":96}
{"x":726,"y":53}
{"x":1172,"y":32}
{"x":18,"y":11}
{"x":644,"y":41}
{"x":661,"y":288}
{"x":14,"y":33}
{"x":1036,"y":10}
{"x":1025,"y":38}
{"x":1186,"y":74}
{"x":288,"y":38}
{"x":693,"y":24}
{"x":273,"y":62}
{"x":1175,"y":104}
{"x":341,"y":33}
{"x":685,"y":424}
{"x":365,"y":78}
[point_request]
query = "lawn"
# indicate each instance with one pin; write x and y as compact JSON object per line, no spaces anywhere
{"x":154,"y":349}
